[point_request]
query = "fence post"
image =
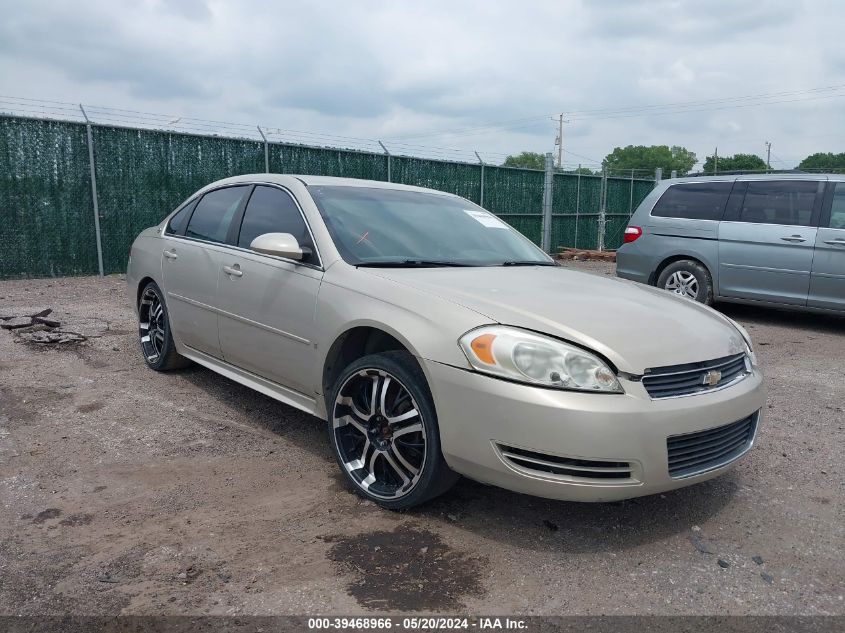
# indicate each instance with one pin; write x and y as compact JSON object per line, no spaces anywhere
{"x":266,"y":151}
{"x":548,"y":183}
{"x":388,"y":160}
{"x":94,"y":191}
{"x":481,"y":194}
{"x":602,"y":208}
{"x":631,"y":199}
{"x":577,"y":205}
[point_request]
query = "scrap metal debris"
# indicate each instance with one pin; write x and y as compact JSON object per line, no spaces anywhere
{"x":38,"y":328}
{"x":579,"y":254}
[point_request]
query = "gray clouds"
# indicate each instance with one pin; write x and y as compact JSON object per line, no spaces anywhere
{"x":392,"y":69}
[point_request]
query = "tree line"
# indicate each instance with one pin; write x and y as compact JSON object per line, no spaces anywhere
{"x":646,"y":158}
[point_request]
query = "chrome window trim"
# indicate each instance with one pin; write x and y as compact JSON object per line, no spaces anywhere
{"x":800,"y":226}
{"x":318,"y":266}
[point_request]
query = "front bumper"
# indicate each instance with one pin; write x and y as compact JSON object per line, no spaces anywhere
{"x":478,"y":415}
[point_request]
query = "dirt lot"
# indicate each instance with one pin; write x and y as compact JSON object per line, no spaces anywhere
{"x":128,"y":491}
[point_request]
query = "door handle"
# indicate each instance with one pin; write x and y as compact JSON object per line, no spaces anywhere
{"x":837,"y":242}
{"x":234,"y":271}
{"x":793,"y":238}
{"x":171,"y":254}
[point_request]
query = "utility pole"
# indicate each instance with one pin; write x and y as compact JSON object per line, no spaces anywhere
{"x":716,"y":161}
{"x":559,"y":140}
{"x":768,"y":155}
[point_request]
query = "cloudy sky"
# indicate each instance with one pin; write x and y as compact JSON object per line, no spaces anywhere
{"x":444,"y":78}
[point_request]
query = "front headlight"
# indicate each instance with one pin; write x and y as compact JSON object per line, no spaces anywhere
{"x":527,"y":357}
{"x":745,"y":337}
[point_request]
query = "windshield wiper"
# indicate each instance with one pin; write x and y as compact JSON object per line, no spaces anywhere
{"x":410,"y":263}
{"x":528,"y":263}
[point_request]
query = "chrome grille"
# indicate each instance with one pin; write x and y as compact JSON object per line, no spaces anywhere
{"x":569,"y":467}
{"x":683,"y":380}
{"x":695,"y":453}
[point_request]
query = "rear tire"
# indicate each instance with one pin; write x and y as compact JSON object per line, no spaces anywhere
{"x":687,"y":278}
{"x":383,"y":431}
{"x":154,"y":332}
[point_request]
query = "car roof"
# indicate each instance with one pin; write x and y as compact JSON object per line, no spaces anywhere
{"x":323,"y":181}
{"x":731,"y":177}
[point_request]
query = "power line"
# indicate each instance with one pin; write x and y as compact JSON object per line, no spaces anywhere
{"x":718,"y":100}
{"x":677,"y":107}
{"x":497,"y":125}
{"x":780,"y":160}
{"x":708,"y":109}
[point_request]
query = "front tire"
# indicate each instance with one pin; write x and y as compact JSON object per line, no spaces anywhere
{"x":154,"y":332}
{"x":383,"y":431}
{"x":687,"y":278}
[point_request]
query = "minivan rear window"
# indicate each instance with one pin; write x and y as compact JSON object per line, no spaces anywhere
{"x":694,"y":201}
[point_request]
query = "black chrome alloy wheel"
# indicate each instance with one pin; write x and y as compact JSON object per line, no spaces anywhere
{"x":379,"y":434}
{"x":152,"y":324}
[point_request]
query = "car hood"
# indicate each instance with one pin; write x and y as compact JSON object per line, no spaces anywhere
{"x":634,"y":326}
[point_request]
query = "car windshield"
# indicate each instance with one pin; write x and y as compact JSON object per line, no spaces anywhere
{"x":392,"y":227}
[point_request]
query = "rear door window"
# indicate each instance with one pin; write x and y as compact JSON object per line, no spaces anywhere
{"x":272,"y":210}
{"x":788,"y":202}
{"x":210,"y":220}
{"x":694,"y":201}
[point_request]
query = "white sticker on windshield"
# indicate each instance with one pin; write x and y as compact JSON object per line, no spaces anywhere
{"x":487,"y":219}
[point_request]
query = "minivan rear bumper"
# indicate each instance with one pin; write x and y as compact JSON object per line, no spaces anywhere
{"x":633,"y":265}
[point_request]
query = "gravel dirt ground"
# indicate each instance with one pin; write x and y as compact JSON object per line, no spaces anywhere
{"x":127,"y":491}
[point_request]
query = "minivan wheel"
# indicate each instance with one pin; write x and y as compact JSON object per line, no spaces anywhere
{"x":154,"y":332}
{"x":383,"y":431}
{"x":687,"y":278}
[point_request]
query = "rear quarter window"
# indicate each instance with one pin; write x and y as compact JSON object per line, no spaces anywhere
{"x":693,"y":201}
{"x":179,"y":221}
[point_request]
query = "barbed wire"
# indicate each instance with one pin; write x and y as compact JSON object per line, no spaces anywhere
{"x":126,"y":117}
{"x":131,"y":118}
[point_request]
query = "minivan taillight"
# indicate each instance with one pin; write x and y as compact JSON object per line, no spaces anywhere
{"x":631,"y":234}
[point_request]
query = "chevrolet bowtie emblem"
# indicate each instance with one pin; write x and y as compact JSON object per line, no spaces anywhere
{"x":712,"y":378}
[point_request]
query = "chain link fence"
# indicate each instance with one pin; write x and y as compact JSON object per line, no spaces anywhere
{"x":47,"y":199}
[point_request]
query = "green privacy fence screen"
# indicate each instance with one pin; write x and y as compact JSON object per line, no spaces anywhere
{"x":46,"y":217}
{"x":143,"y":175}
{"x":47,"y":206}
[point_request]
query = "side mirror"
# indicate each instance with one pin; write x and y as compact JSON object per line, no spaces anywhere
{"x":280,"y":245}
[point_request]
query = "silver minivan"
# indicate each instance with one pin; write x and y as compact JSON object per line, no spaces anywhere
{"x":773,"y":239}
